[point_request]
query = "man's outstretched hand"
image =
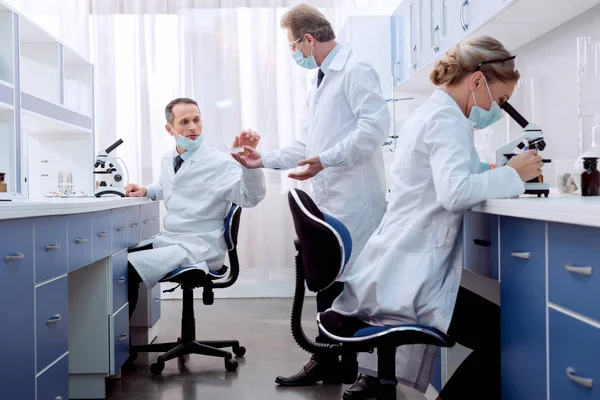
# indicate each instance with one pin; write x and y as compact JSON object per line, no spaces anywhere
{"x":250,"y":158}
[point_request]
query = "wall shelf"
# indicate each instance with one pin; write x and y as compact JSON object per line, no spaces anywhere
{"x":46,"y":108}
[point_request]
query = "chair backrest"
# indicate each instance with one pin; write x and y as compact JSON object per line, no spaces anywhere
{"x":325,"y":243}
{"x":232,"y":226}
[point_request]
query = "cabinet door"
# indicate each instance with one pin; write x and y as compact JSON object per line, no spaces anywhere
{"x":481,"y":244}
{"x":523,"y":311}
{"x":155,"y":305}
{"x":478,"y":12}
{"x":414,"y":20}
{"x":454,"y":25}
{"x":17,"y":379}
{"x":400,"y":41}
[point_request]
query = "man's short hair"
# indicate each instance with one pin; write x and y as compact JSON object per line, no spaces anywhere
{"x":303,"y":19}
{"x":169,"y":108}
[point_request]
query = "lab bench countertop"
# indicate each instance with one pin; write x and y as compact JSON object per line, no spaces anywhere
{"x":562,"y":208}
{"x":61,"y":206}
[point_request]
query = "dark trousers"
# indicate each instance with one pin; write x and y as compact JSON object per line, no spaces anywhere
{"x":325,"y":299}
{"x":475,"y":324}
{"x":134,"y":280}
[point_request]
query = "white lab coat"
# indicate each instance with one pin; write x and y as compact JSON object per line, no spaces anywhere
{"x":348,"y":122}
{"x":410,"y":270}
{"x":197,"y":200}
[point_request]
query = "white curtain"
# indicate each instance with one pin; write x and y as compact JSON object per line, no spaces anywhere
{"x":235,"y":61}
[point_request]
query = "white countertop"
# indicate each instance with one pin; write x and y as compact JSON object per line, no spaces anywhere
{"x":62,"y":206}
{"x":569,"y":209}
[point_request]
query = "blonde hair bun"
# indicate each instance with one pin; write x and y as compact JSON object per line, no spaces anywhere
{"x":464,"y":58}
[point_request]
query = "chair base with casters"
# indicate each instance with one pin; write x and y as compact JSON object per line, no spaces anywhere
{"x":190,"y":278}
{"x":324,"y":246}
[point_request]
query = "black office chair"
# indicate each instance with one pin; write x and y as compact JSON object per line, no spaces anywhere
{"x":190,"y":278}
{"x":324,"y":248}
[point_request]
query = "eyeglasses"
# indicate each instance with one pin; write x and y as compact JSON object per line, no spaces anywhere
{"x":292,"y":44}
{"x":499,"y":60}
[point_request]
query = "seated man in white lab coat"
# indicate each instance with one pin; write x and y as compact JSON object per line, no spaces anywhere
{"x":198,"y":185}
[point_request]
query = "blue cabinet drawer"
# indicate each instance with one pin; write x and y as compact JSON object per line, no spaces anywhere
{"x":80,"y":241}
{"x":102,"y":234}
{"x":119,"y":229}
{"x":155,"y":304}
{"x":52,"y":325}
{"x":574,"y":268}
{"x":119,"y":280}
{"x":53,"y":384}
{"x":150,"y":220}
{"x":119,"y":339}
{"x":481,"y":244}
{"x":17,"y":379}
{"x":574,"y":350}
{"x":50,"y":248}
{"x":134,"y":229}
{"x":523,"y":310}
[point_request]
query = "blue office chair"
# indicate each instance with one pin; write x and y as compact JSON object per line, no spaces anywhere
{"x":324,"y":247}
{"x":189,"y":279}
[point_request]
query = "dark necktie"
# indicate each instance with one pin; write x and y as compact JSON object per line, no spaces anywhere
{"x":320,"y":77}
{"x":177,"y":161}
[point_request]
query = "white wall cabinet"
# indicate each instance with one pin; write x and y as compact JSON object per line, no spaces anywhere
{"x":46,"y":109}
{"x":422,"y":30}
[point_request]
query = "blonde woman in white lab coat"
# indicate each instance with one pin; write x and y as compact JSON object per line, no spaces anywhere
{"x":410,"y":269}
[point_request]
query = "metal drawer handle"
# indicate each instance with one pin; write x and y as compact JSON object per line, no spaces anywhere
{"x":135,"y":224}
{"x":413,"y":56}
{"x":579,"y":270}
{"x":81,"y":240}
{"x":434,"y":35}
{"x":122,"y":337}
{"x":588,"y":383}
{"x":17,"y":257}
{"x":155,"y":219}
{"x":120,"y":228}
{"x":146,"y":221}
{"x":523,"y":256}
{"x":156,"y":299}
{"x":54,"y":319}
{"x":103,"y":234}
{"x":481,"y":242}
{"x":52,"y":247}
{"x":122,"y":279}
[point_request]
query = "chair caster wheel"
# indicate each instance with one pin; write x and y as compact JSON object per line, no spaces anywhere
{"x":239,"y":351}
{"x":231,"y":364}
{"x":158,"y":367}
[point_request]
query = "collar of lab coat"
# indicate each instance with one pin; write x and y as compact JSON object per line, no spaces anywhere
{"x":196,"y":154}
{"x":445,"y":99}
{"x":338,"y":61}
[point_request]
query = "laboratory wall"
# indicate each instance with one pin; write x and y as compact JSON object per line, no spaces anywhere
{"x":548,"y":93}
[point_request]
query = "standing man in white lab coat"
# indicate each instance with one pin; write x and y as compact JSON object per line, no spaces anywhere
{"x":198,"y":185}
{"x":348,"y":122}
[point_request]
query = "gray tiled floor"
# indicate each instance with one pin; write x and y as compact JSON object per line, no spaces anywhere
{"x":261,"y":325}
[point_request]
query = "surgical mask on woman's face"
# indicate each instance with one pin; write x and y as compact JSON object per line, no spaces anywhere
{"x":304,"y":62}
{"x":484,"y":118}
{"x":188,"y":144}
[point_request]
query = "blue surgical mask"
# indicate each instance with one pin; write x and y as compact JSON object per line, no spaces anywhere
{"x":484,"y":118}
{"x":188,"y":144}
{"x":304,"y":62}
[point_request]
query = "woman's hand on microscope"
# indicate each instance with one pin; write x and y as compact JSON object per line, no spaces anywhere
{"x":527,"y":164}
{"x":133,"y":190}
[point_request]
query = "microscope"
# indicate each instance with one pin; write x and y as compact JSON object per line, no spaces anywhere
{"x":112,"y":166}
{"x":532,"y":133}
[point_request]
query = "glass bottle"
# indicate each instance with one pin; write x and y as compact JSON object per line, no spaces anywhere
{"x":3,"y":185}
{"x":590,"y":177}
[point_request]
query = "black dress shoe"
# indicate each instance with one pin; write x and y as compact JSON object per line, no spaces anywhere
{"x":312,"y":373}
{"x":364,"y":388}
